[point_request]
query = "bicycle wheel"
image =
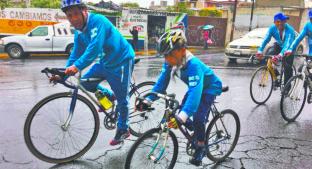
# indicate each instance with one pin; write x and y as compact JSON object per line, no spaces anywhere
{"x":140,"y":122}
{"x":45,"y":135}
{"x":293,"y":98}
{"x":138,"y":156}
{"x":222,"y":135}
{"x":261,"y":85}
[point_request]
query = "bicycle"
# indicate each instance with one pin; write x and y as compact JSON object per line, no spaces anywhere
{"x":264,"y":79}
{"x":295,"y":94}
{"x":158,"y":147}
{"x":63,"y":126}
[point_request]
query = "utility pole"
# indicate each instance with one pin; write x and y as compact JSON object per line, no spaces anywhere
{"x":251,"y":15}
{"x":233,"y":23}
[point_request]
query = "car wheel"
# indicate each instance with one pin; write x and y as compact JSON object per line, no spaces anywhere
{"x":299,"y":50}
{"x":15,"y":51}
{"x":233,"y":60}
{"x":69,"y":49}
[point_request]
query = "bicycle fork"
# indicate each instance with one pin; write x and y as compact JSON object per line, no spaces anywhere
{"x":151,"y":155}
{"x":294,"y":92}
{"x":71,"y":110}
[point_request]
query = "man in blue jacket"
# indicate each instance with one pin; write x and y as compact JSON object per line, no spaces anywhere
{"x":284,"y":34}
{"x":95,"y":36}
{"x":203,"y":86}
{"x":306,"y":31}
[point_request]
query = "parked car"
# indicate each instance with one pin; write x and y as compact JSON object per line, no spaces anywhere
{"x":248,"y":45}
{"x":58,"y":38}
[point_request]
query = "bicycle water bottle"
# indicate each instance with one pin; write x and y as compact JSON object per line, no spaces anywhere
{"x":106,"y":99}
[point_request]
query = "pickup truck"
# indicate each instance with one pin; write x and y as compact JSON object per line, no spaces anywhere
{"x":58,"y":38}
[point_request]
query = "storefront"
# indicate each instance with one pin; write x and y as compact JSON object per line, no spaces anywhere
{"x":149,"y":23}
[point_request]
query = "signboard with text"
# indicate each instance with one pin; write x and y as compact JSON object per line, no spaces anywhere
{"x":22,"y":20}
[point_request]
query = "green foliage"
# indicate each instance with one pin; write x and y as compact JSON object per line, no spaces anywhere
{"x":46,"y":3}
{"x":5,"y":4}
{"x":106,"y":13}
{"x":181,"y":7}
{"x":213,"y":12}
{"x":130,"y":5}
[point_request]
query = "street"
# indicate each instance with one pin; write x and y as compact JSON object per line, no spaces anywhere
{"x":266,"y":140}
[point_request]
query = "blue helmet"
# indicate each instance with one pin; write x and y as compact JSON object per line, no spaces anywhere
{"x":310,"y":13}
{"x":66,"y":4}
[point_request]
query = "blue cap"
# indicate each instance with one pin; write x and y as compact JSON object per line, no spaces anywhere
{"x":280,"y":16}
{"x":310,"y":13}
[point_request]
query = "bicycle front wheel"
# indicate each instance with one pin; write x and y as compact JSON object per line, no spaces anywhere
{"x":261,"y":85}
{"x":293,"y":98}
{"x":222,"y":135}
{"x":140,"y":122}
{"x":141,"y":151}
{"x":47,"y":137}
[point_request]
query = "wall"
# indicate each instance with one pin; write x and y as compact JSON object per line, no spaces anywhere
{"x":277,"y":3}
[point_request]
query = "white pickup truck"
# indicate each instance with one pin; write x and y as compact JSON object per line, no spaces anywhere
{"x":58,"y":38}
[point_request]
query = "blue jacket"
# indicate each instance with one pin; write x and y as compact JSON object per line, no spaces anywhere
{"x":288,"y":37}
{"x":306,"y":31}
{"x":99,"y":38}
{"x":200,"y":79}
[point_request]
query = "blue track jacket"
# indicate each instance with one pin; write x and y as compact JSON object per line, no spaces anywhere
{"x":306,"y":31}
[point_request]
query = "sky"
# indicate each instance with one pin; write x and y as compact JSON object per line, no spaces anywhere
{"x":142,"y":3}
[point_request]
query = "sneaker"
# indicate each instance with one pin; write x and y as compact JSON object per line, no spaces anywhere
{"x":310,"y":98}
{"x":119,"y":137}
{"x":276,"y":84}
{"x":198,"y":155}
{"x":276,"y":72}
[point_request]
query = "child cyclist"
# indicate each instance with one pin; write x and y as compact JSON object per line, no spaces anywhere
{"x":203,"y":86}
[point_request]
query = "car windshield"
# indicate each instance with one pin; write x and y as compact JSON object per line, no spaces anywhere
{"x":258,"y":33}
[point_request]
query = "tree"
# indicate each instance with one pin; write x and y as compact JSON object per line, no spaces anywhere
{"x":212,"y":11}
{"x":130,"y":5}
{"x":181,"y":7}
{"x":5,"y":4}
{"x":46,"y":3}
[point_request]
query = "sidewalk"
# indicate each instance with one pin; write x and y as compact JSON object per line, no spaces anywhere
{"x":196,"y":50}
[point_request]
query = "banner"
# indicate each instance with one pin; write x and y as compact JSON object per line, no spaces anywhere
{"x":129,"y":19}
{"x":21,"y":20}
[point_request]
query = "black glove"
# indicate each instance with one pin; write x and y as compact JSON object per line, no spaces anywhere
{"x":141,"y":105}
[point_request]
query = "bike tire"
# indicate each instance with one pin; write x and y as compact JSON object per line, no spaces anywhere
{"x":252,"y":92}
{"x":27,"y":128}
{"x":140,"y":140}
{"x":284,"y":112}
{"x":213,"y":125}
{"x":133,"y":118}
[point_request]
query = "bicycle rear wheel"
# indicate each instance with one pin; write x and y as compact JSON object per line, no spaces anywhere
{"x":138,"y":156}
{"x":222,"y":135}
{"x":261,"y":85}
{"x":293,"y":98}
{"x":140,"y":122}
{"x":45,"y":135}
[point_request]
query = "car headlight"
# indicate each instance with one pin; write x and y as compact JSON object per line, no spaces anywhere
{"x":254,"y":47}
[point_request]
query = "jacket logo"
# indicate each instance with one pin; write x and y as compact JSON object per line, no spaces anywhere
{"x":94,"y":32}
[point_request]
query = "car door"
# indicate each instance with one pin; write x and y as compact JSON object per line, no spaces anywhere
{"x":39,"y":40}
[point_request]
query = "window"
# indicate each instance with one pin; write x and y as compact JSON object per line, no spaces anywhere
{"x":65,"y":31}
{"x":59,"y":31}
{"x":41,"y":31}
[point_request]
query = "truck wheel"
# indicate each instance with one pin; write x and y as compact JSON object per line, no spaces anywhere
{"x":15,"y":51}
{"x":69,"y":49}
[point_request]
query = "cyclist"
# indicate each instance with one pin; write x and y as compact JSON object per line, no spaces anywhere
{"x":306,"y":31}
{"x":284,"y":35}
{"x":203,"y":87}
{"x":95,"y":36}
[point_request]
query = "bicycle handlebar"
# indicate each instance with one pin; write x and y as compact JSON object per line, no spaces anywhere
{"x":60,"y":72}
{"x":173,"y":103}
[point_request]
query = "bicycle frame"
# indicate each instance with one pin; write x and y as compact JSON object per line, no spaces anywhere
{"x":169,"y":113}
